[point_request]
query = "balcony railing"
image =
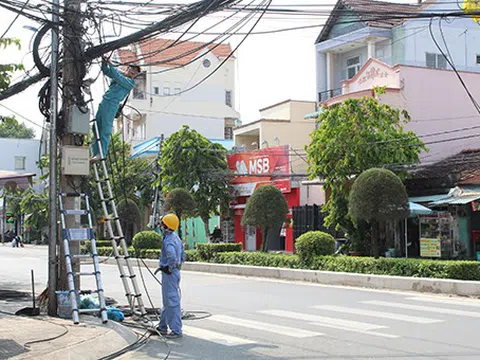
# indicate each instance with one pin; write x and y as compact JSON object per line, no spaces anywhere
{"x":325,"y":95}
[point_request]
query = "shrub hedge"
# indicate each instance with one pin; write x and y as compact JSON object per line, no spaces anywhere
{"x":314,"y":243}
{"x":147,"y":240}
{"x":208,"y":251}
{"x":258,"y":259}
{"x":442,"y":269}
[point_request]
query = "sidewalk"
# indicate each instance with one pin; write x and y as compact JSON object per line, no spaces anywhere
{"x":28,"y":337}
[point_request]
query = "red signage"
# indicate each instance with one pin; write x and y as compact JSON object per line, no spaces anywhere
{"x":258,"y":167}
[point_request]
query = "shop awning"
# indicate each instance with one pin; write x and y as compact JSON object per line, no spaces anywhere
{"x":150,"y":147}
{"x":417,"y":209}
{"x":459,"y":196}
{"x":22,"y":180}
{"x":427,"y":199}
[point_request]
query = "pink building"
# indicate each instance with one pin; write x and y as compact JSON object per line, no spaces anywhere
{"x":442,"y":114}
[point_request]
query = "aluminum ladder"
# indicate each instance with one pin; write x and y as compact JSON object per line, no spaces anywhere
{"x":111,"y":215}
{"x":81,"y":234}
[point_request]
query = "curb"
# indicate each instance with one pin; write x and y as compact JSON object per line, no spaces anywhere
{"x":381,"y":282}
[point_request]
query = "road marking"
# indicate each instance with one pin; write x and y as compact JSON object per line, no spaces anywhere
{"x":325,"y":321}
{"x":423,"y":308}
{"x":276,"y":329}
{"x":213,"y":336}
{"x":466,"y":302}
{"x":379,"y":314}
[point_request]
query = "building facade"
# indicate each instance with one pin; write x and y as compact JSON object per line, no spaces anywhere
{"x":357,"y":52}
{"x":180,"y":85}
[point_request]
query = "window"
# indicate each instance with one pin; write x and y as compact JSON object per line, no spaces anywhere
{"x":380,"y":55}
{"x":228,"y":98}
{"x":166,"y":91}
{"x":228,"y":133}
{"x":19,"y":162}
{"x":435,"y":61}
{"x":353,"y":66}
{"x":140,"y":87}
{"x":156,"y":90}
{"x":478,"y":59}
{"x":177,"y":90}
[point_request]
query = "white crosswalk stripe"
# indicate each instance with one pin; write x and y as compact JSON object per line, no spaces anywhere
{"x":378,"y":314}
{"x":323,"y":321}
{"x":460,"y":302}
{"x":430,"y":309}
{"x":268,"y":327}
{"x":213,"y":336}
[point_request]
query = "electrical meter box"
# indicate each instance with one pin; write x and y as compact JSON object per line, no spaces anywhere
{"x":75,"y":160}
{"x":78,"y":121}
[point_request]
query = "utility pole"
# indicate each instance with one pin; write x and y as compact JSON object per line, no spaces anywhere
{"x":53,"y":163}
{"x":72,"y":76}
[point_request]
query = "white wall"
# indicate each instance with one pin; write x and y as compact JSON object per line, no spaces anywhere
{"x":10,"y":148}
{"x":202,"y":108}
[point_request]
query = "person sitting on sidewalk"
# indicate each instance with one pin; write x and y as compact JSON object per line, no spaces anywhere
{"x":120,"y":87}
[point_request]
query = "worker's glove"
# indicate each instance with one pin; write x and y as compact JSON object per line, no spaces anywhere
{"x":164,"y":269}
{"x":157,"y":271}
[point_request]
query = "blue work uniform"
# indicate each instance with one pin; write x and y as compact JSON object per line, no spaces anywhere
{"x":173,"y":255}
{"x":120,"y":86}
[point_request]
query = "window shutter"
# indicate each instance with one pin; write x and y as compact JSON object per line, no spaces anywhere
{"x":431,"y":59}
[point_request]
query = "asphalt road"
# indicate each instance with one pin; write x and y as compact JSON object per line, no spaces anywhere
{"x":269,"y":319}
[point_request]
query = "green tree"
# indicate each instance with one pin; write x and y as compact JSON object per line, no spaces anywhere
{"x":11,"y":128}
{"x":131,"y":178}
{"x":378,"y":196}
{"x":189,"y":160}
{"x":7,"y":70}
{"x":351,"y":137}
{"x":181,"y":202}
{"x":265,"y":209}
{"x":8,"y":124}
{"x":34,"y":206}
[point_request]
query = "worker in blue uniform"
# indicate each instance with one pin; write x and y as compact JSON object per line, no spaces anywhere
{"x":120,"y":87}
{"x":171,"y":259}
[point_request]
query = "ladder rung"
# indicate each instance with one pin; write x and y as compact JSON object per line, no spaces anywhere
{"x":72,"y":194}
{"x":83,"y":256}
{"x":78,"y":234}
{"x":75,"y":212}
{"x":86,"y":292}
{"x":86,"y":273}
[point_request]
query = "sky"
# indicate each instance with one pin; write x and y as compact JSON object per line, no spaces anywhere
{"x":270,"y":67}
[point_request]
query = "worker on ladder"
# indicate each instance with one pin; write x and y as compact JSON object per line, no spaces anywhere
{"x":171,"y":259}
{"x":120,"y":87}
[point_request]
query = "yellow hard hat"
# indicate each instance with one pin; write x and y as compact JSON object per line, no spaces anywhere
{"x":171,"y":221}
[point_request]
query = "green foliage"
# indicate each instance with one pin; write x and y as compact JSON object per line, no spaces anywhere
{"x":128,"y":211}
{"x":34,"y":206}
{"x":378,"y":194}
{"x":265,"y":209}
{"x":180,"y":202}
{"x":7,"y":70}
{"x":192,"y":255}
{"x":189,"y":160}
{"x":11,"y":128}
{"x":352,"y":137}
{"x":441,"y":269}
{"x":128,"y":175}
{"x":314,"y":243}
{"x":147,"y":240}
{"x":207,"y":251}
{"x":258,"y":259}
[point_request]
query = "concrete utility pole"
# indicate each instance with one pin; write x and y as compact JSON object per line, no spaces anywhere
{"x":53,"y":163}
{"x":73,"y":74}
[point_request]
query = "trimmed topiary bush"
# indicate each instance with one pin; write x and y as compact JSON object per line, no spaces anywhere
{"x":314,"y":243}
{"x":147,"y":240}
